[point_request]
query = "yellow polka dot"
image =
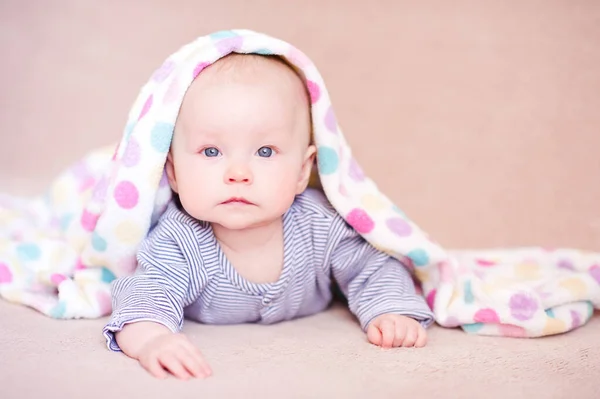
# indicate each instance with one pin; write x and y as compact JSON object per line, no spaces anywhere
{"x":577,"y":287}
{"x":61,"y":192}
{"x":527,"y":271}
{"x":57,"y":258}
{"x":373,"y":203}
{"x":155,"y":176}
{"x":554,"y":326}
{"x":455,"y":296}
{"x":422,"y":275}
{"x":128,"y":232}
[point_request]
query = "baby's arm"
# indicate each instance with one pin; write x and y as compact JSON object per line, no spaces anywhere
{"x":380,"y":291}
{"x":148,"y":306}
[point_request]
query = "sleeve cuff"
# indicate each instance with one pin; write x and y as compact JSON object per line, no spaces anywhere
{"x":419,"y":311}
{"x":118,"y":321}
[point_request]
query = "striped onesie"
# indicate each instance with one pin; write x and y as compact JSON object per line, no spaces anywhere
{"x":183,"y":273}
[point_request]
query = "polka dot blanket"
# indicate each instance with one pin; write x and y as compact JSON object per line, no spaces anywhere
{"x":60,"y":251}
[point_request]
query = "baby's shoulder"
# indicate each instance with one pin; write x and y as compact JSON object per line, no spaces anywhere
{"x":174,"y":222}
{"x":313,"y":203}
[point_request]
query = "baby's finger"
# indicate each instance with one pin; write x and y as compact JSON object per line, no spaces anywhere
{"x":153,"y":366}
{"x":173,"y":364}
{"x":400,"y":334}
{"x":421,"y":338}
{"x":410,"y":338}
{"x":388,"y":332}
{"x":196,"y":354}
{"x":374,"y":335}
{"x":191,"y":364}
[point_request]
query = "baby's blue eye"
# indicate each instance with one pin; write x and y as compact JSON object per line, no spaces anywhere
{"x":265,"y":152}
{"x":211,"y":152}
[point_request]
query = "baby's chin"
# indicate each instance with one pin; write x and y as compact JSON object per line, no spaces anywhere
{"x":242,"y":222}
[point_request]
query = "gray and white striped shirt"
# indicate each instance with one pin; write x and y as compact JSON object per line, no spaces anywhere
{"x":183,"y":273}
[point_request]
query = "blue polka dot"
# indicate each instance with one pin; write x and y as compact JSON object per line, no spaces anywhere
{"x":129,"y":130}
{"x":590,"y":309}
{"x":263,"y":51}
{"x":222,"y":34}
{"x":98,"y":243}
{"x":327,"y":160}
{"x":107,"y":276}
{"x":398,"y":211}
{"x":161,"y":136}
{"x":419,"y":257}
{"x":58,"y":311}
{"x":550,"y":313}
{"x":473,"y":327}
{"x":28,"y":252}
{"x":469,"y":298}
{"x":66,"y":221}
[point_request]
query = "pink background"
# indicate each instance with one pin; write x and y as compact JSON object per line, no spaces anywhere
{"x":479,"y":119}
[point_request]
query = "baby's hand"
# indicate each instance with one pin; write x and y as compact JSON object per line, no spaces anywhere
{"x":392,"y":330}
{"x":173,"y":353}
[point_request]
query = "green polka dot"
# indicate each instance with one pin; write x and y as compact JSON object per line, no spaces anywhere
{"x":419,"y":257}
{"x":327,"y":160}
{"x":550,"y":313}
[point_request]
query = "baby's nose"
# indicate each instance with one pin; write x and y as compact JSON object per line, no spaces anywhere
{"x":238,"y":174}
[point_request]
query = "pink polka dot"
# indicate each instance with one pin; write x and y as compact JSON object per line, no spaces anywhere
{"x":230,"y":44}
{"x":314,"y":90}
{"x":343,"y":191}
{"x":298,"y":58}
{"x":486,"y":316}
{"x":446,"y":274}
{"x":510,"y":330}
{"x":57,"y":278}
{"x":360,"y":220}
{"x":431,"y":298}
{"x":146,"y":107}
{"x":595,"y":272}
{"x":5,"y":274}
{"x":132,"y":154}
{"x":79,"y":265}
{"x":86,"y":184}
{"x":126,"y":194}
{"x":485,"y":262}
{"x":451,"y":322}
{"x":173,"y":92}
{"x":575,"y":319}
{"x":88,"y":220}
{"x":199,"y":68}
{"x":104,"y":303}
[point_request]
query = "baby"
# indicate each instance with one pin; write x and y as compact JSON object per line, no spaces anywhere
{"x":245,"y":240}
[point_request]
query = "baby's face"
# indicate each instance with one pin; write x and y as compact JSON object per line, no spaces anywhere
{"x":241,"y":149}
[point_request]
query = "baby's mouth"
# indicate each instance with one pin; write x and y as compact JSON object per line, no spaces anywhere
{"x":237,"y":200}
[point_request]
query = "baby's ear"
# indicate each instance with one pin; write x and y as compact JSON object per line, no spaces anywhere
{"x":170,"y":169}
{"x":309,"y":159}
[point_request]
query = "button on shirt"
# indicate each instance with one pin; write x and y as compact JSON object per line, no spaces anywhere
{"x":183,"y":273}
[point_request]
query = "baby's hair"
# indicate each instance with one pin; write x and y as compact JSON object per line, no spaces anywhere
{"x":232,"y":61}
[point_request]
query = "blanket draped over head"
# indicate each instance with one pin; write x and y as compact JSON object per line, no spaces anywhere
{"x":60,"y":251}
